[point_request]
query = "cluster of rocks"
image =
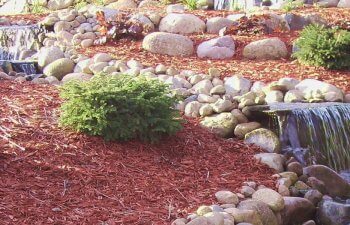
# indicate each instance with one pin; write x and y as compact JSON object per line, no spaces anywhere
{"x":175,"y":26}
{"x":305,"y":196}
{"x":72,"y":28}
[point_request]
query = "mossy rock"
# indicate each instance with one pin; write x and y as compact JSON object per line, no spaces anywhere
{"x":59,"y":68}
{"x":265,"y":139}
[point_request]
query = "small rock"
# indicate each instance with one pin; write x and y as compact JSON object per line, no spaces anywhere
{"x":271,"y":48}
{"x":247,"y":191}
{"x":192,"y":109}
{"x":297,"y":210}
{"x":272,"y":198}
{"x":314,"y":196}
{"x":272,"y":160}
{"x":265,"y":139}
{"x":226,"y":197}
{"x":242,"y":129}
{"x":222,"y":106}
{"x":202,"y":210}
{"x":295,"y":167}
{"x":335,"y":184}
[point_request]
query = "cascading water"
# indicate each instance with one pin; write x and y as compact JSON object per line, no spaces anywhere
{"x":15,"y":40}
{"x":313,"y":133}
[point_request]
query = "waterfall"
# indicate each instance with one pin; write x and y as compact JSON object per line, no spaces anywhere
{"x":14,"y":39}
{"x":321,"y":133}
{"x":314,"y":133}
{"x":235,"y":4}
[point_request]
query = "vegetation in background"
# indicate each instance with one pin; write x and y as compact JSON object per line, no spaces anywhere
{"x":291,"y":5}
{"x":326,"y":47}
{"x":120,"y":108}
{"x":191,"y":4}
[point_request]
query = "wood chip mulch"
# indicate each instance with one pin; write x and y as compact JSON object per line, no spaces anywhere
{"x":54,"y":176}
{"x":257,"y":70}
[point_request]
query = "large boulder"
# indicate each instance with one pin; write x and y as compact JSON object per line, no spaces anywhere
{"x":270,"y":48}
{"x":168,"y":44}
{"x":335,"y":184}
{"x":13,"y":7}
{"x":272,"y":160}
{"x":59,"y":68}
{"x":215,"y":24}
{"x":344,"y":4}
{"x":237,"y":84}
{"x":328,"y":3}
{"x":297,"y":210}
{"x":311,"y":85}
{"x":218,"y":48}
{"x":181,"y":24}
{"x":242,"y":129}
{"x":222,"y":124}
{"x":226,"y":197}
{"x":276,"y":22}
{"x":122,"y":4}
{"x":49,"y":54}
{"x":59,"y":4}
{"x":265,"y":139}
{"x":266,"y":214}
{"x":270,"y":197}
{"x":296,"y":22}
{"x":76,"y":76}
{"x":244,"y":216}
{"x":333,"y":213}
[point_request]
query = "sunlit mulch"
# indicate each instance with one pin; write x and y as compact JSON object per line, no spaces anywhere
{"x":53,"y":176}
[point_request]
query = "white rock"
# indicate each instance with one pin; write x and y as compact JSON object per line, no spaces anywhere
{"x":222,"y":106}
{"x":203,"y":98}
{"x":274,"y":97}
{"x":311,"y":85}
{"x":272,"y":160}
{"x":102,"y":57}
{"x":206,"y":110}
{"x":226,"y":197}
{"x":181,"y":24}
{"x":237,"y":83}
{"x":344,"y":4}
{"x":203,"y":87}
{"x":49,"y":54}
{"x":59,"y":4}
{"x":293,"y":96}
{"x":215,"y":24}
{"x":218,"y":90}
{"x":270,"y":48}
{"x":175,"y":8}
{"x":122,"y":4}
{"x":163,"y":43}
{"x":218,"y":48}
{"x":192,"y":109}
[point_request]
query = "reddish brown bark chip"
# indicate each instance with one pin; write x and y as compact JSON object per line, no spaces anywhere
{"x":67,"y":178}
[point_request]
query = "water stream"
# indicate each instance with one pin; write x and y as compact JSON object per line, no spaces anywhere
{"x":313,"y":133}
{"x":14,"y":40}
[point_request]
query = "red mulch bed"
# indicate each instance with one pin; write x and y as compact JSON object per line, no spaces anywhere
{"x":262,"y":70}
{"x":67,"y":178}
{"x":32,"y":18}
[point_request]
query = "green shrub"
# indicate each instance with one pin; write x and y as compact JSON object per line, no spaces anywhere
{"x":191,"y":4}
{"x":119,"y":108}
{"x":321,"y":46}
{"x":291,"y":5}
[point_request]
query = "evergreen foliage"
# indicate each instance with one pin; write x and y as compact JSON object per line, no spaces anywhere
{"x":120,"y":108}
{"x":326,"y":47}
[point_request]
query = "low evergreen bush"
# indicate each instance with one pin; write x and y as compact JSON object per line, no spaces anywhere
{"x":326,"y":47}
{"x":119,"y":108}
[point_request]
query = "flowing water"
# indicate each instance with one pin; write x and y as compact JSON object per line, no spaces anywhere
{"x":15,"y":39}
{"x":313,"y":133}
